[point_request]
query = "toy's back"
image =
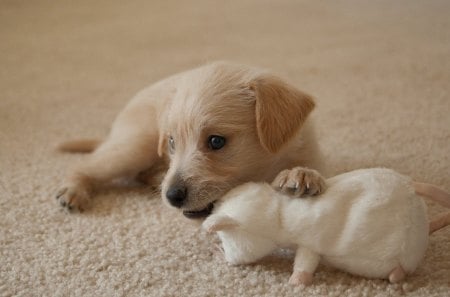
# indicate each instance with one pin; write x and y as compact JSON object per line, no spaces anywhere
{"x":367,"y":222}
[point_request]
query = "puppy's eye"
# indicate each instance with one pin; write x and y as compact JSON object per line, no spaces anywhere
{"x":216,"y":142}
{"x":171,"y":144}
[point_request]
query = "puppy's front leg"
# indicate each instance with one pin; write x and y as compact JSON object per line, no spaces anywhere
{"x":299,"y":181}
{"x":114,"y":158}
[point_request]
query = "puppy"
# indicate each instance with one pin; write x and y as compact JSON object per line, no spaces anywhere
{"x":215,"y":127}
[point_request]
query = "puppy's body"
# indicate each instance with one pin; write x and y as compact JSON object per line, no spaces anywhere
{"x":261,"y":121}
{"x":368,"y":222}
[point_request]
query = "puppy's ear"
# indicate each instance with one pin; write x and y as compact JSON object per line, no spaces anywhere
{"x":280,"y":111}
{"x":218,"y":222}
{"x":162,"y":144}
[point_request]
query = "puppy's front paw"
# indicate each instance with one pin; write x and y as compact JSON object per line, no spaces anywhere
{"x":299,"y":181}
{"x":73,"y":197}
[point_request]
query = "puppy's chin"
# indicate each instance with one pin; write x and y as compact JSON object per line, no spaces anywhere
{"x":199,"y":213}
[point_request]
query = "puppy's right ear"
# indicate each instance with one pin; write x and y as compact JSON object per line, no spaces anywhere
{"x":217,"y":222}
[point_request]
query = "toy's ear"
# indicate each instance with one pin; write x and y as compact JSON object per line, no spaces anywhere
{"x":218,"y":222}
{"x":281,"y":110}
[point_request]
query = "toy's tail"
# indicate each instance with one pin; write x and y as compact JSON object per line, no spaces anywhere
{"x":79,"y":146}
{"x":439,"y":196}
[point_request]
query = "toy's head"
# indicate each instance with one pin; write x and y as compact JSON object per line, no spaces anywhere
{"x":241,"y":244}
{"x":246,"y":221}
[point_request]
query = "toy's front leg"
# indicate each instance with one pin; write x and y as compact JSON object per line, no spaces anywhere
{"x":299,"y":181}
{"x":306,"y":262}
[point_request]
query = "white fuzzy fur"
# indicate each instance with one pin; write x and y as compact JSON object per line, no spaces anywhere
{"x":368,"y":222}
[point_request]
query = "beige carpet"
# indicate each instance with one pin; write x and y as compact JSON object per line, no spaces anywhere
{"x":380,"y":71}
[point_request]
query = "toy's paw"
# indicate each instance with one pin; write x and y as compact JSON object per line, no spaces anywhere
{"x":73,"y":197}
{"x":397,"y":275}
{"x":301,"y":278}
{"x":299,"y":181}
{"x":218,"y":250}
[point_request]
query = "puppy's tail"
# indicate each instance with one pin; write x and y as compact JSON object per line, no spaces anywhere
{"x":439,"y":196}
{"x":79,"y":146}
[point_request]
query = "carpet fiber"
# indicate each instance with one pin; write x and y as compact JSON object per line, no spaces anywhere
{"x":380,"y":71}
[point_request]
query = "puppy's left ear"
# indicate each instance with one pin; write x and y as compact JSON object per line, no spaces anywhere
{"x":162,"y":144}
{"x":281,"y":110}
{"x":217,"y":222}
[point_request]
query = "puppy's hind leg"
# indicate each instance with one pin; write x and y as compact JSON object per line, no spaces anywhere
{"x":115,"y":158}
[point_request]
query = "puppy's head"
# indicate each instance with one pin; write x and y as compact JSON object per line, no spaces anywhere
{"x":224,"y":127}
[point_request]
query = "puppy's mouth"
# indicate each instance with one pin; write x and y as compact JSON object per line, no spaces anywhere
{"x":199,"y":214}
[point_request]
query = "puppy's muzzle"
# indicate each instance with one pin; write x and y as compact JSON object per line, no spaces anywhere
{"x":177,"y":195}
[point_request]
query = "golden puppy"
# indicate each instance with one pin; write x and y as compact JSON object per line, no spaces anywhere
{"x":218,"y":126}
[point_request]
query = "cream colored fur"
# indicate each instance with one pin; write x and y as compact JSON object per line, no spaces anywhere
{"x":263,"y":119}
{"x":368,"y":222}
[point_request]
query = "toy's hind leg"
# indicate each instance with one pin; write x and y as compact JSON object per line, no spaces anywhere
{"x":397,"y":275}
{"x":440,"y":222}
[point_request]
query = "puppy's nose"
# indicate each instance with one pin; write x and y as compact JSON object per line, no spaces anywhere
{"x":176,"y":195}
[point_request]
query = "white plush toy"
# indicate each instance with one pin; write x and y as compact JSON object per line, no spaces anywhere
{"x":369,"y":222}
